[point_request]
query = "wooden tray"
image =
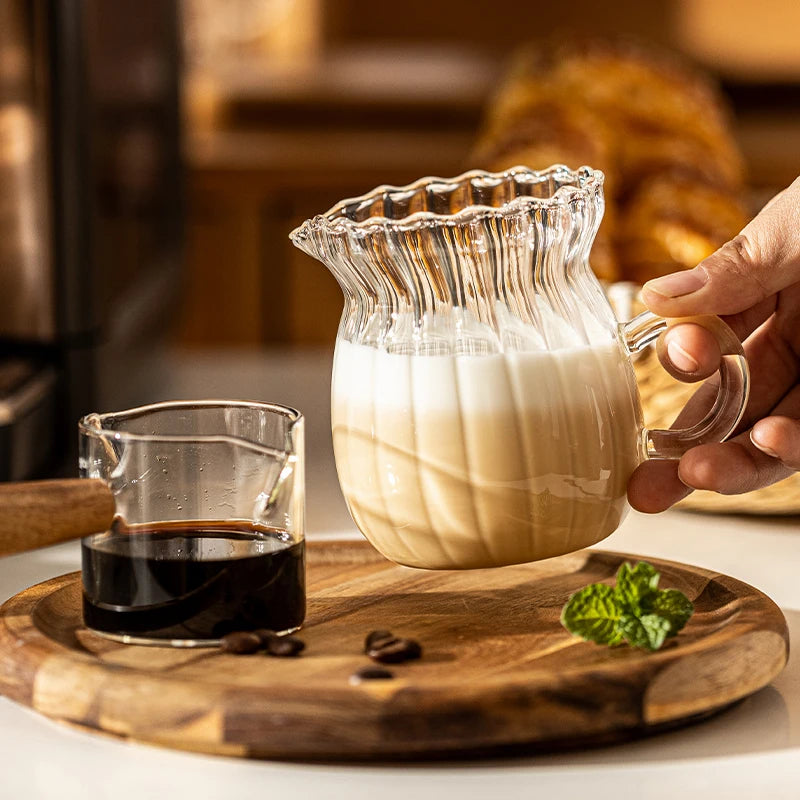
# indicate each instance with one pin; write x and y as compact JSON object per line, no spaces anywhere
{"x":497,"y":672}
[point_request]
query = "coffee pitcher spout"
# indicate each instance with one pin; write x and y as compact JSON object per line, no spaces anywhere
{"x":302,"y":237}
{"x":323,"y":241}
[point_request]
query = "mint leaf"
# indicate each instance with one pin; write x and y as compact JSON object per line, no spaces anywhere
{"x":673,"y":606}
{"x":647,"y":632}
{"x":593,"y":614}
{"x":635,"y":610}
{"x":637,"y":586}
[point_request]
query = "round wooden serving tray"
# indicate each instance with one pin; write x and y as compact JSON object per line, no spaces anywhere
{"x":498,"y":671}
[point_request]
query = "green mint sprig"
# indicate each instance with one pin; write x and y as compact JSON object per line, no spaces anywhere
{"x":635,"y":610}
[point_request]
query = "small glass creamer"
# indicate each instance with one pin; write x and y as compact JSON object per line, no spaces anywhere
{"x":208,"y":536}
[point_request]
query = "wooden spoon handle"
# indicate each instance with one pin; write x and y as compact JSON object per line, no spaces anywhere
{"x":37,"y":513}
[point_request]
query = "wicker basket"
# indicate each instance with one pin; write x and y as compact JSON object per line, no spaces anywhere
{"x":662,"y":399}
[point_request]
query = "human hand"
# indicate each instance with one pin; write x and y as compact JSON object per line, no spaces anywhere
{"x":753,"y":283}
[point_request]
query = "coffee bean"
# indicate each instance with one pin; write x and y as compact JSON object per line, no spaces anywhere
{"x":371,"y":674}
{"x":375,"y":639}
{"x":395,"y":651}
{"x":285,"y":646}
{"x":265,"y":635}
{"x":240,"y":642}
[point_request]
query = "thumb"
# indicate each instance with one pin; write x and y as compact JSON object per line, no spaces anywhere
{"x":763,"y":259}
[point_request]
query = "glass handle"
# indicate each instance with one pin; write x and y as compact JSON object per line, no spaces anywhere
{"x":734,"y":385}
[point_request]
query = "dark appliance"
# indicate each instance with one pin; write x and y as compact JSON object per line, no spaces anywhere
{"x":90,"y":214}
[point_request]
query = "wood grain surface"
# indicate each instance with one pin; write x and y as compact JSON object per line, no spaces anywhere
{"x":498,"y":671}
{"x":37,"y":513}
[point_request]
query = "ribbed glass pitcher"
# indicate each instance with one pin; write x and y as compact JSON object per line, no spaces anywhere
{"x":484,"y":407}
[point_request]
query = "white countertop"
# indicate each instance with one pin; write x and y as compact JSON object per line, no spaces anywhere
{"x":750,"y":751}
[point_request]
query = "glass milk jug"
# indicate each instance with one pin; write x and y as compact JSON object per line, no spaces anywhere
{"x":484,"y":406}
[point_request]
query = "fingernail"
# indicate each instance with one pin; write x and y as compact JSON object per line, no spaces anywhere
{"x":680,"y":358}
{"x":679,"y":283}
{"x":754,"y":438}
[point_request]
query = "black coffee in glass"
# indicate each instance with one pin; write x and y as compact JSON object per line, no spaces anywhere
{"x":192,"y":581}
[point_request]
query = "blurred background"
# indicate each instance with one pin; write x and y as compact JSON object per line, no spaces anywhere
{"x":155,"y":154}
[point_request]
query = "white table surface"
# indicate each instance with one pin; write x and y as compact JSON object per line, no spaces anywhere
{"x":750,"y":751}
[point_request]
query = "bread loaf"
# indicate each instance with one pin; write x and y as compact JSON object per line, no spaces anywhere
{"x":658,"y":129}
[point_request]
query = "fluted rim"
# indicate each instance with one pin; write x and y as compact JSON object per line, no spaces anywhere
{"x":583,"y":183}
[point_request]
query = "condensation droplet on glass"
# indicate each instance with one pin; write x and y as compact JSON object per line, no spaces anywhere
{"x":180,"y":508}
